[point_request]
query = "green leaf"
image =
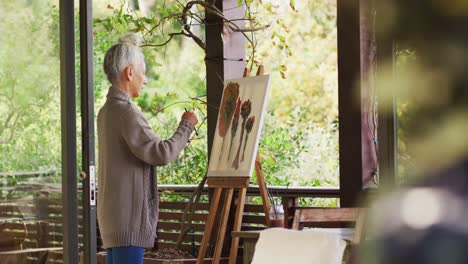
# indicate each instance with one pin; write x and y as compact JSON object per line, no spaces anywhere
{"x":164,"y":12}
{"x":281,"y":38}
{"x":289,"y":50}
{"x":292,"y":5}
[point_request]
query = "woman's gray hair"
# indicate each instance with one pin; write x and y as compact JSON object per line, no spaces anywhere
{"x":126,"y":52}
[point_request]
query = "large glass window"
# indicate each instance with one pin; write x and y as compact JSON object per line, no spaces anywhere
{"x":30,"y":140}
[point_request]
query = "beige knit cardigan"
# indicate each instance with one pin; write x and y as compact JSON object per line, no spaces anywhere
{"x":127,"y":181}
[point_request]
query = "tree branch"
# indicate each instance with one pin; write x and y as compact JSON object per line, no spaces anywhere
{"x":186,"y":24}
{"x":249,"y":29}
{"x":6,"y":123}
{"x":171,"y":35}
{"x":13,"y":128}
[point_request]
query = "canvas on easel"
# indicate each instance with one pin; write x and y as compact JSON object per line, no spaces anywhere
{"x":239,"y":126}
{"x":234,"y":156}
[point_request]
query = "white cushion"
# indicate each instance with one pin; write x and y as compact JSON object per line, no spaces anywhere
{"x":278,"y":245}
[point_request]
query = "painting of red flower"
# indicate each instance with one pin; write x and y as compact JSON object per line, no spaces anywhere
{"x":240,"y":122}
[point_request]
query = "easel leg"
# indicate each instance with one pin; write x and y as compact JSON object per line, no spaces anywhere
{"x":237,"y":225}
{"x":209,"y":226}
{"x":258,"y":170}
{"x":263,"y":189}
{"x":222,"y":231}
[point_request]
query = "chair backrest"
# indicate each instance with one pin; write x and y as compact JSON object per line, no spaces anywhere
{"x":330,"y":217}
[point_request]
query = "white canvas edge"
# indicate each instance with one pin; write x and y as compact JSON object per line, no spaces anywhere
{"x":245,"y":173}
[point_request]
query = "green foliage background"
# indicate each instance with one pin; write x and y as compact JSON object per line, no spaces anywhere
{"x":29,"y":87}
{"x":299,"y":144}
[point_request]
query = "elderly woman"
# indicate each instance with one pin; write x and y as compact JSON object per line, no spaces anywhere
{"x":128,"y":151}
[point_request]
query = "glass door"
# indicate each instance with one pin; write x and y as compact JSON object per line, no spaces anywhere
{"x":31,"y":194}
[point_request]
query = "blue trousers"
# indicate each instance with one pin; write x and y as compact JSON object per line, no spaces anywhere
{"x":125,"y":255}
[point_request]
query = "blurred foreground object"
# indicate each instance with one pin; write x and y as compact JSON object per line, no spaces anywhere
{"x":435,"y":83}
{"x":426,"y":222}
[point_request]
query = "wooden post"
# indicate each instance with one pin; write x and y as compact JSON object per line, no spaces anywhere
{"x":289,"y":204}
{"x":349,"y":106}
{"x":387,"y":113}
{"x":368,"y":96}
{"x":225,"y":57}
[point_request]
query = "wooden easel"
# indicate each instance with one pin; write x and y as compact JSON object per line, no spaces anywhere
{"x":229,"y":184}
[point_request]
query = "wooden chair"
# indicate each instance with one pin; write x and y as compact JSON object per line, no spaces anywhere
{"x":333,"y":242}
{"x":330,"y":217}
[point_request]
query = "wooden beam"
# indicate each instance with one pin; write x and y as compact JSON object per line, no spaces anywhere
{"x":387,"y":127}
{"x":225,"y":58}
{"x":368,"y":96}
{"x":234,"y":42}
{"x":325,"y":215}
{"x":349,"y":105}
{"x":214,"y":70}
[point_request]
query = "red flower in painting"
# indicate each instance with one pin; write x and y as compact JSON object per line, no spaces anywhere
{"x":235,"y":124}
{"x":248,"y":128}
{"x":227,"y":108}
{"x":246,"y":108}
